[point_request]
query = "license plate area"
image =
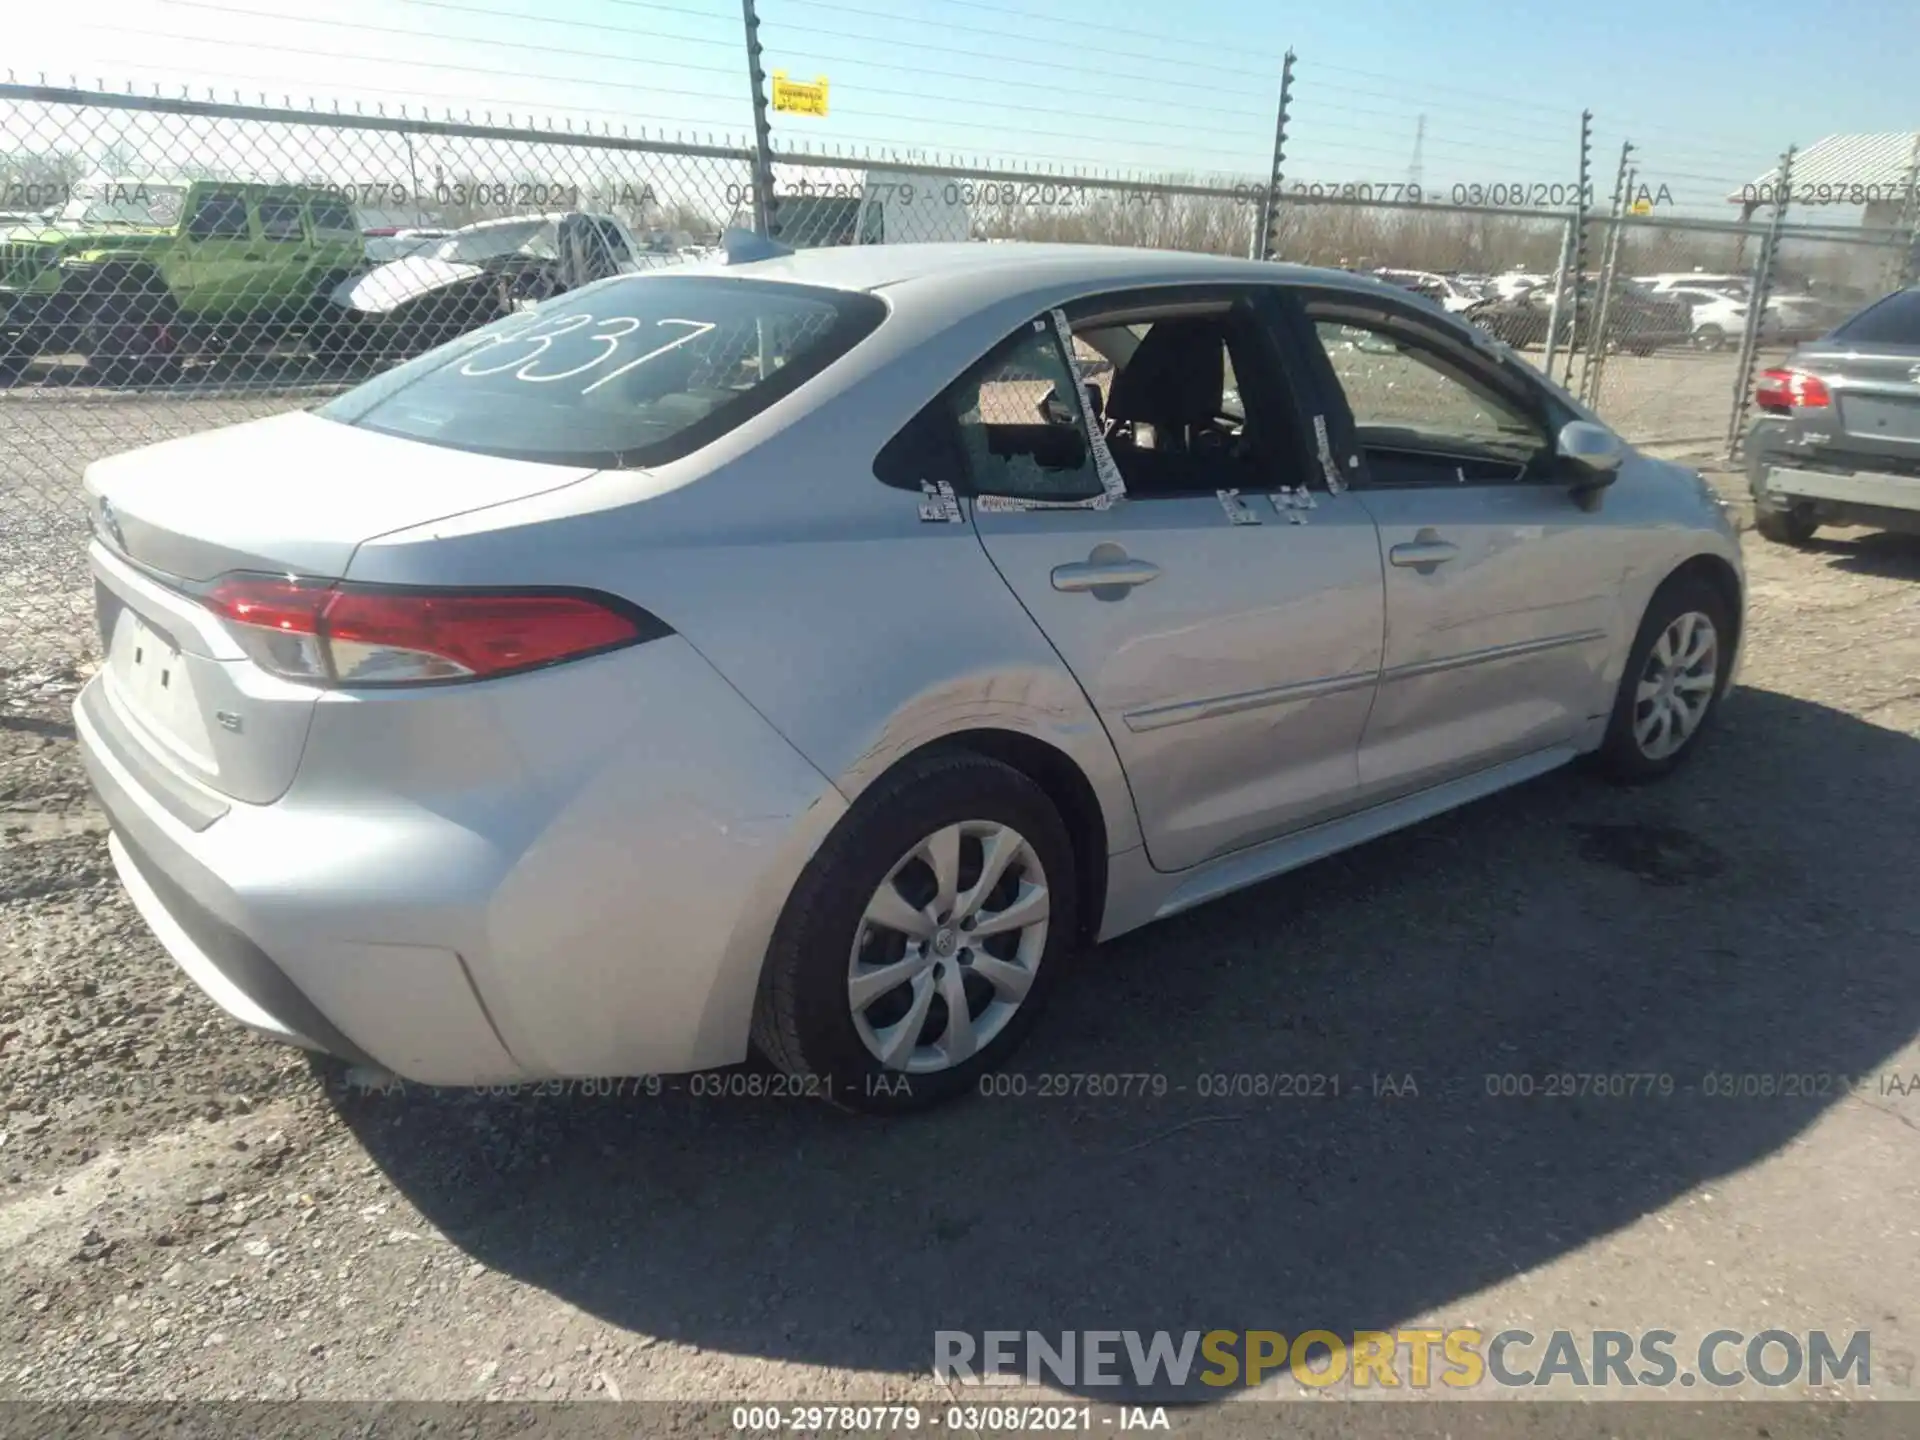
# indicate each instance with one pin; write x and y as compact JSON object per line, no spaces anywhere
{"x":1881,"y":417}
{"x":153,"y":683}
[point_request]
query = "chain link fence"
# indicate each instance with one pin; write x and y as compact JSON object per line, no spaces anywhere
{"x":171,"y":265}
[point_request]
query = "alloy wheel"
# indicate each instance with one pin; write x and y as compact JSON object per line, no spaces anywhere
{"x":1676,"y":685}
{"x":948,"y":947}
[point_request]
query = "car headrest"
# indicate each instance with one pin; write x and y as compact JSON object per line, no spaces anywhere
{"x":1176,"y":376}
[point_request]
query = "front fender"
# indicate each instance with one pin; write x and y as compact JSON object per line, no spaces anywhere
{"x":1673,"y":518}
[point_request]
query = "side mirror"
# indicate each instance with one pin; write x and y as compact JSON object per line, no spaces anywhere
{"x":1596,"y":450}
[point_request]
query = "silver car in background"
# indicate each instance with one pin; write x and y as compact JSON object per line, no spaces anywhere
{"x":806,"y":651}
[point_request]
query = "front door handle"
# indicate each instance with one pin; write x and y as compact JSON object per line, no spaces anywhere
{"x":1103,"y":574}
{"x":1423,"y":553}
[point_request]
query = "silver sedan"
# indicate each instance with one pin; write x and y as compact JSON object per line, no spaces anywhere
{"x":813,"y":652}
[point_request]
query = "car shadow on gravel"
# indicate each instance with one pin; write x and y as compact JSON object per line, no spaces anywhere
{"x":1882,"y":553}
{"x":1339,"y":1097}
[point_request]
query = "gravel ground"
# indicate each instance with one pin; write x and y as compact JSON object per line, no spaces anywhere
{"x":187,"y":1212}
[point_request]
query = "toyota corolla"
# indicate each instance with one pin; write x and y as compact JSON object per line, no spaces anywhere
{"x":812,"y":652}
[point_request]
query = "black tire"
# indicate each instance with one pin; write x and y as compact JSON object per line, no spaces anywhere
{"x":802,"y":1019}
{"x":1621,"y":755}
{"x":124,"y":334}
{"x":344,"y":336}
{"x":1710,"y":338}
{"x":1792,"y":526}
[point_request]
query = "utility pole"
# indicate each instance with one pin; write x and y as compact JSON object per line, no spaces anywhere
{"x":1417,"y":169}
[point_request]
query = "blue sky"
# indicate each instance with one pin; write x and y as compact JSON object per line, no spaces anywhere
{"x":1709,"y":90}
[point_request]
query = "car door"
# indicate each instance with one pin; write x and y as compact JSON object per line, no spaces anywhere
{"x":223,"y":254}
{"x":1229,"y":642}
{"x":282,"y":281}
{"x":1502,"y":581}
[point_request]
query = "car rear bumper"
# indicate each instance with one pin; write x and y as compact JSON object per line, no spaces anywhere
{"x":1781,"y":486}
{"x":603,"y":911}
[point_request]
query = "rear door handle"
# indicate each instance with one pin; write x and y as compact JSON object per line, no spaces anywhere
{"x":1423,"y":555}
{"x":1104,"y":574}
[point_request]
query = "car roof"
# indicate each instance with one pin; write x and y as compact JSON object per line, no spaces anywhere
{"x":987,"y":272}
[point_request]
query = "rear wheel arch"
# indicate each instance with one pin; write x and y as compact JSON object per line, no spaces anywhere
{"x":1066,"y":785}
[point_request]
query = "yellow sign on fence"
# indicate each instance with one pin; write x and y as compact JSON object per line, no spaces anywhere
{"x":800,"y":97}
{"x":1642,"y":206}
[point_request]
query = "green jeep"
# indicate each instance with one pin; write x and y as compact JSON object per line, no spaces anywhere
{"x":132,"y":274}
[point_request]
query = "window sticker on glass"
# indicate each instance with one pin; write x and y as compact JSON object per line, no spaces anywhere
{"x":942,"y":506}
{"x":1293,"y":502}
{"x":1335,"y":481}
{"x":1113,"y":487}
{"x":1237,"y":509}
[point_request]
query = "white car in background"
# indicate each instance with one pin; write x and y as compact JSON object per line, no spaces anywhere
{"x":1794,"y":318}
{"x":402,"y":243}
{"x":1515,"y":283}
{"x":1719,"y":320}
{"x":1450,"y":292}
{"x":1739,"y":287}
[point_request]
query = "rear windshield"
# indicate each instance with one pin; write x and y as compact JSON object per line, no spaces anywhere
{"x":637,"y":370}
{"x":1892,"y":321}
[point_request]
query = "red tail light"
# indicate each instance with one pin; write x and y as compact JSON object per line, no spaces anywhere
{"x":342,"y":634}
{"x":1783,"y":390}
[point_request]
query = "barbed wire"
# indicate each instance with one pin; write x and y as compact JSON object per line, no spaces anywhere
{"x":1080,"y":47}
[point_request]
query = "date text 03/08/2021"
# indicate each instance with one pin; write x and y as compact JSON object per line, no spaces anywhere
{"x":968,"y":1419}
{"x":1465,"y":194}
{"x":1275,"y":1086}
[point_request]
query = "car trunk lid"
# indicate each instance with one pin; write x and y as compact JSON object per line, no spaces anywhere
{"x":1876,"y":398}
{"x":296,"y":495}
{"x":293,"y":494}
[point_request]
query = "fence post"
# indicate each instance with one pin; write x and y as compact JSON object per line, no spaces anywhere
{"x":1559,"y":291}
{"x":1757,"y":306}
{"x":1906,"y":228}
{"x":1580,"y":237}
{"x":1270,"y":205}
{"x":763,"y":201}
{"x":1609,"y":262}
{"x":413,"y":177}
